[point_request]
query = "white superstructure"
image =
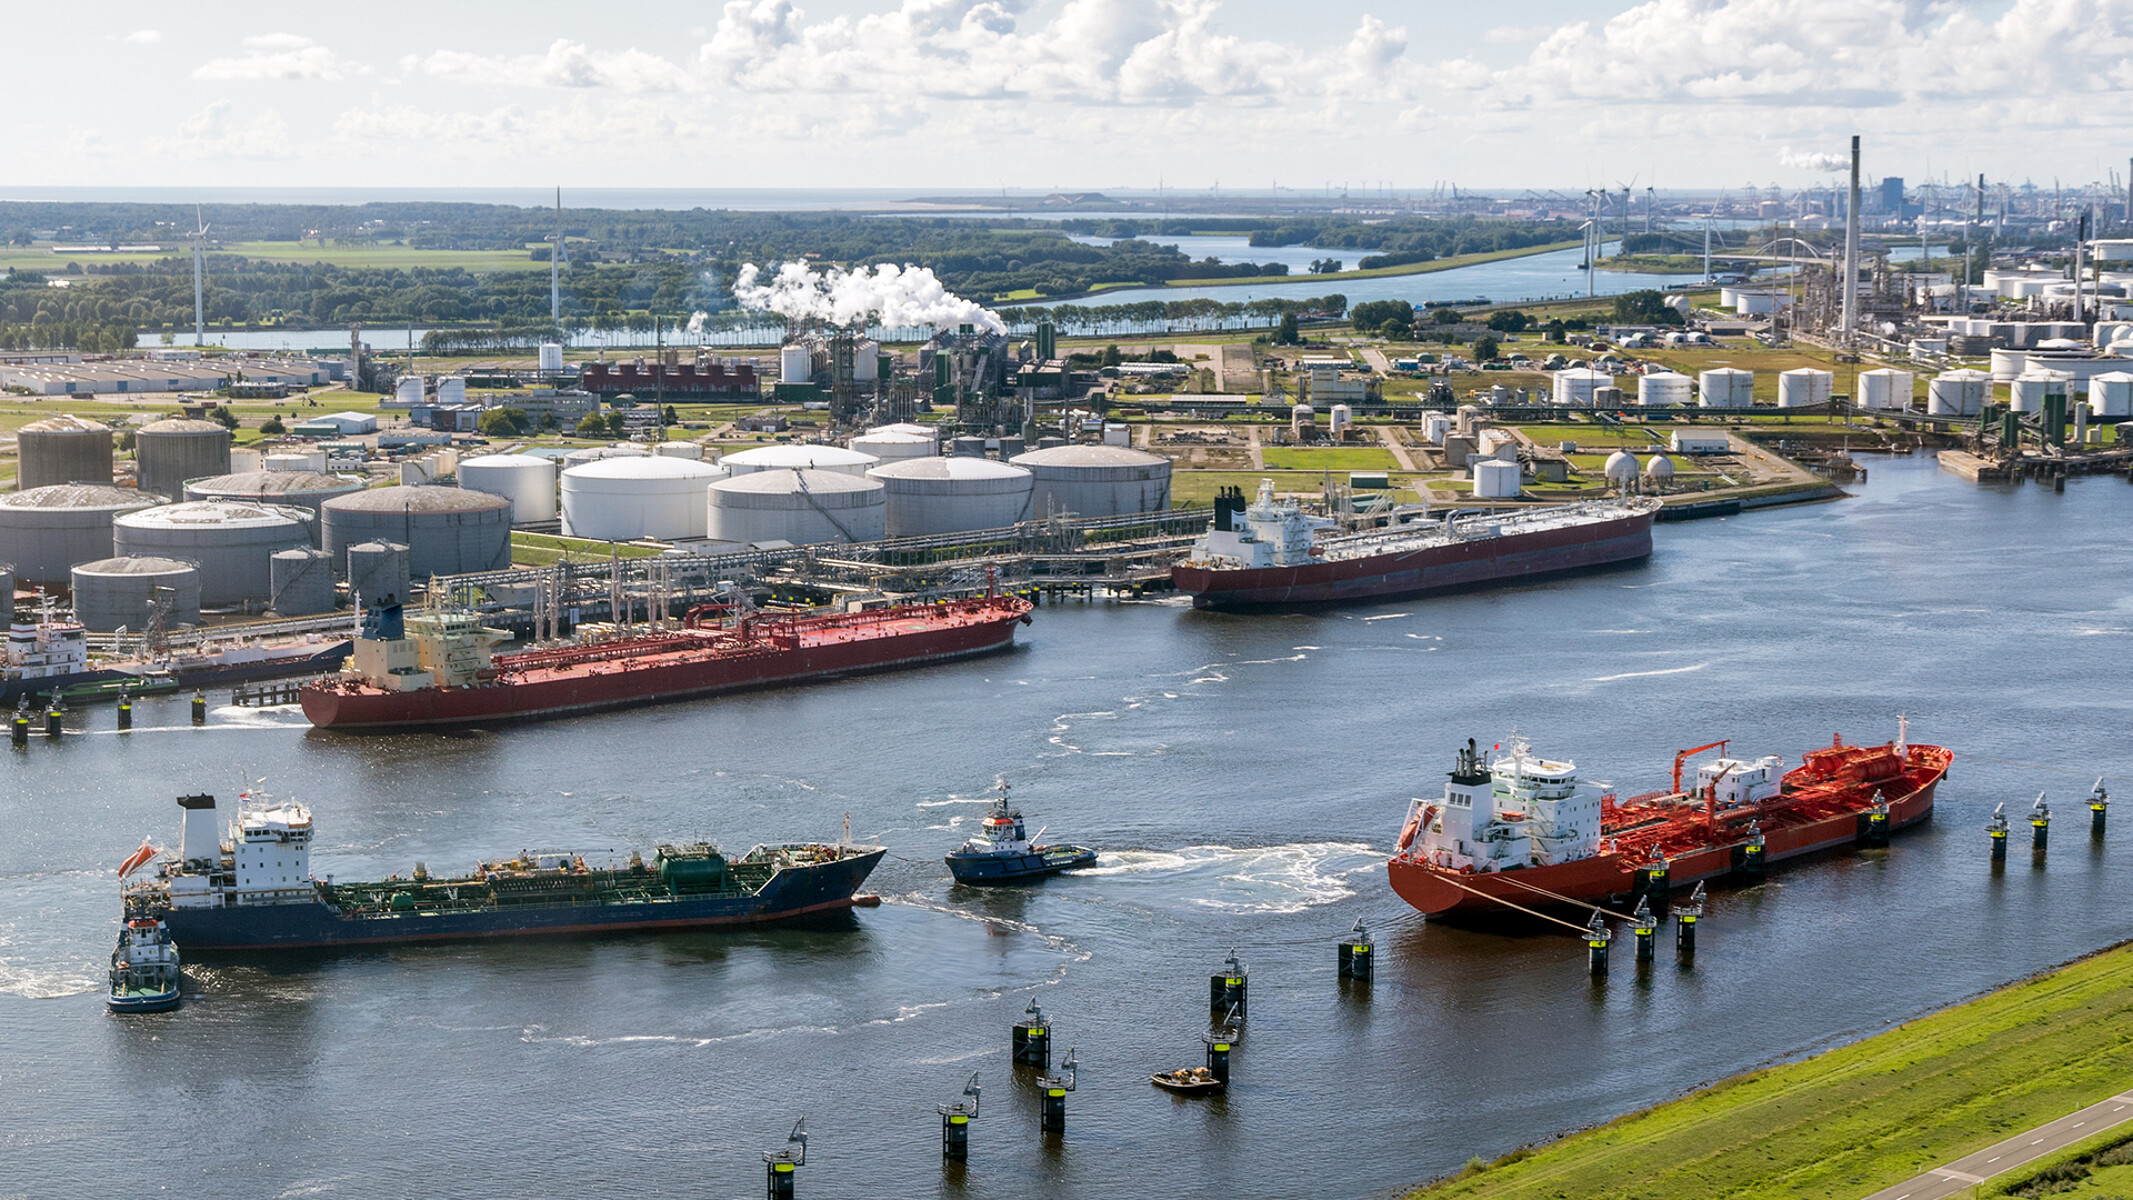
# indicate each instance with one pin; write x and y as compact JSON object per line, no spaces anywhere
{"x":1519,"y":810}
{"x":264,"y":858}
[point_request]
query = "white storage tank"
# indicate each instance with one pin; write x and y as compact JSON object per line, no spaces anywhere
{"x":1342,"y":417}
{"x":2111,"y":394}
{"x":229,"y":540}
{"x":409,"y":390}
{"x":528,"y":481}
{"x":1804,"y":387}
{"x":796,"y":365}
{"x":1434,"y":428}
{"x":1621,"y":469}
{"x":1726,"y":387}
{"x":1495,"y":479}
{"x":1575,"y":386}
{"x":1885,"y":389}
{"x":578,"y":458}
{"x":2026,"y":394}
{"x":798,"y":506}
{"x":167,"y":453}
{"x":908,"y":427}
{"x":687,"y":450}
{"x":114,"y":593}
{"x":950,"y":495}
{"x":1958,"y":393}
{"x":623,"y":499}
{"x":301,"y":582}
{"x":551,"y":356}
{"x":45,"y":531}
{"x":61,"y":450}
{"x":894,"y":447}
{"x":799,"y":458}
{"x":1664,"y":389}
{"x":1096,"y":481}
{"x":447,"y":530}
{"x":243,"y":461}
{"x":452,"y":389}
{"x":301,"y":489}
{"x":295,"y":460}
{"x":377,"y":571}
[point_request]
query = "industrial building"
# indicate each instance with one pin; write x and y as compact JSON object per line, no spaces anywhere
{"x":136,"y":376}
{"x":708,"y":377}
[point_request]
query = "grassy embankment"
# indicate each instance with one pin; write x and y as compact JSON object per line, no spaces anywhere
{"x":542,"y":549}
{"x":1852,"y":1120}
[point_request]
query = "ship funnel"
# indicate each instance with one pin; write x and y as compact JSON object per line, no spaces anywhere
{"x":199,"y":839}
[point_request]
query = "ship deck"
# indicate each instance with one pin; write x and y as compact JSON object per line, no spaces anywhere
{"x":1428,"y":535}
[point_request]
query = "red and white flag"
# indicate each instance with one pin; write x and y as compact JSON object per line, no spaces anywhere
{"x":137,"y":860}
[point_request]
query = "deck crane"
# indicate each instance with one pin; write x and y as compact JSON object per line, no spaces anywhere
{"x":1682,"y":756}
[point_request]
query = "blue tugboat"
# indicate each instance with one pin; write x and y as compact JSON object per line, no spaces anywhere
{"x":144,"y":969}
{"x":1005,"y":855}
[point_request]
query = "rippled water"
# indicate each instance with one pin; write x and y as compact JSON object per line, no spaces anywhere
{"x":1243,"y":775}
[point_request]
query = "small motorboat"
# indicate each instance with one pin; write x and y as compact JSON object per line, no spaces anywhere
{"x":1004,"y":855}
{"x":1189,"y":1081}
{"x":144,"y":969}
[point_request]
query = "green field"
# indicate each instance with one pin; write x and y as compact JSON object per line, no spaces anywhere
{"x":541,"y":549}
{"x":1852,"y":1120}
{"x":41,"y":259}
{"x":1332,"y":458}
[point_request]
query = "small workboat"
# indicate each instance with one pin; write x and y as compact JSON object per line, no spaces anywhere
{"x":1189,"y":1081}
{"x":1004,"y":855}
{"x":144,"y":969}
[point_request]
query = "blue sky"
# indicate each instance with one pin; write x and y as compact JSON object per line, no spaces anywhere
{"x":940,"y":95}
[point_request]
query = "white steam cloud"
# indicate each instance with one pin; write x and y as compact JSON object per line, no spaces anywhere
{"x":893,"y":296}
{"x":1813,"y":161}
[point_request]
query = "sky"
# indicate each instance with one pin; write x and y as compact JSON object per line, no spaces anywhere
{"x":960,"y":96}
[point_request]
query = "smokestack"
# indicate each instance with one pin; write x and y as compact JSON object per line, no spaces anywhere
{"x":2081,"y":237}
{"x":1981,"y":198}
{"x":2129,"y":191}
{"x":1851,"y":252}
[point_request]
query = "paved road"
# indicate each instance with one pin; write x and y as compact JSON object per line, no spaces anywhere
{"x":1973,"y":1169}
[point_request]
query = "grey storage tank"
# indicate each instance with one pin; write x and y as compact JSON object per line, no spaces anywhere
{"x":167,"y":453}
{"x":302,"y":489}
{"x":377,"y":570}
{"x":229,"y":540}
{"x":45,"y":531}
{"x":302,"y":582}
{"x":1096,"y":481}
{"x":447,"y":530}
{"x":65,"y":449}
{"x":114,"y":593}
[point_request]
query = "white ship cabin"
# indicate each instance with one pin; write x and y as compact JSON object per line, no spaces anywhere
{"x":1518,"y":810}
{"x":442,"y":649}
{"x":47,"y":648}
{"x":1267,"y":533}
{"x":1731,"y":782}
{"x":265,"y":859}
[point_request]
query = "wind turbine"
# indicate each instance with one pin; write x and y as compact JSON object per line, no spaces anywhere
{"x":199,"y":306}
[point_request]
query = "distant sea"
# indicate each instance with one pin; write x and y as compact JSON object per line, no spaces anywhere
{"x":748,"y":199}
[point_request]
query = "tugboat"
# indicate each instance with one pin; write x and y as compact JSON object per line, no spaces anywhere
{"x":1005,"y":855}
{"x":144,"y":966}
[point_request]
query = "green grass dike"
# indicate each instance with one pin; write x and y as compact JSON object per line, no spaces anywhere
{"x":1850,"y":1121}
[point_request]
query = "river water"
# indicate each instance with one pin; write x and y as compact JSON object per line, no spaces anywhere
{"x":1244,"y":777}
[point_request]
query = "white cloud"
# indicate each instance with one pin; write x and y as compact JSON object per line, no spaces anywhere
{"x":218,"y":131}
{"x":1812,"y":160}
{"x":143,"y":37}
{"x":277,"y":56}
{"x":567,"y":64}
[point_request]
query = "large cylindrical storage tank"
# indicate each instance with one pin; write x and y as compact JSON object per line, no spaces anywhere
{"x":801,"y":507}
{"x":447,"y":530}
{"x":528,"y":481}
{"x":2026,"y":394}
{"x":1885,"y":389}
{"x":894,"y":447}
{"x":967,"y":447}
{"x":1726,"y":387}
{"x":452,"y":390}
{"x":1096,"y":481}
{"x":243,"y":461}
{"x":951,"y":495}
{"x":111,"y":593}
{"x":795,"y":365}
{"x":46,"y":530}
{"x":229,"y":540}
{"x":60,"y":450}
{"x":1495,"y":479}
{"x":596,"y":453}
{"x":800,"y":458}
{"x":688,"y":450}
{"x":409,"y":390}
{"x":301,"y":582}
{"x":171,"y":452}
{"x":915,"y":430}
{"x":2111,"y":394}
{"x":296,"y":489}
{"x":1958,"y":393}
{"x":313,"y":461}
{"x":551,"y":356}
{"x":1804,"y":387}
{"x":623,"y":499}
{"x":377,"y":570}
{"x":1664,"y":389}
{"x":1576,"y":385}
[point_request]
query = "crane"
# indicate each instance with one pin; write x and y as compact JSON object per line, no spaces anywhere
{"x":1683,"y":755}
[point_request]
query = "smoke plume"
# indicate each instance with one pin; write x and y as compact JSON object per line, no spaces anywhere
{"x":893,"y":296}
{"x":1813,"y":161}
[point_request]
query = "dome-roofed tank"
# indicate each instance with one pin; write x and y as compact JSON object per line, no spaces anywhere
{"x":528,"y":481}
{"x":1659,"y":467}
{"x":1495,"y":479}
{"x":447,"y":530}
{"x":909,"y":427}
{"x":1621,"y":468}
{"x":44,"y":531}
{"x":230,"y":541}
{"x":172,"y":451}
{"x":1096,"y":481}
{"x":801,"y":507}
{"x":1886,"y":388}
{"x":623,"y":499}
{"x":2026,"y":394}
{"x":1726,"y":387}
{"x":1804,"y":387}
{"x":801,"y":458}
{"x":59,"y":450}
{"x":1576,"y":385}
{"x":378,"y":571}
{"x":1958,"y":393}
{"x":301,"y":489}
{"x":1663,"y":389}
{"x":894,"y":447}
{"x":114,"y":593}
{"x":950,"y":495}
{"x":302,"y":582}
{"x":2111,"y":394}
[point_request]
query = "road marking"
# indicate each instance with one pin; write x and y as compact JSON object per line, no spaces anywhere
{"x":2077,"y":1124}
{"x":2038,"y":1142}
{"x":1952,"y":1173}
{"x":1995,"y":1158}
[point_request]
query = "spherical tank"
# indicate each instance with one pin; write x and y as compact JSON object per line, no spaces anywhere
{"x":799,"y":458}
{"x":1665,"y":389}
{"x":1495,"y":479}
{"x":622,"y":499}
{"x":1726,"y":387}
{"x":46,"y":530}
{"x":950,"y":495}
{"x":111,"y":593}
{"x":377,"y":572}
{"x":171,"y":452}
{"x":894,"y":447}
{"x":1576,"y":386}
{"x":1659,"y":467}
{"x":2111,"y":394}
{"x":296,"y":489}
{"x":1096,"y":481}
{"x":229,"y":540}
{"x":447,"y":530}
{"x":526,"y":480}
{"x":302,"y":582}
{"x":1886,"y":388}
{"x":1803,"y":387}
{"x":801,"y":507}
{"x":1958,"y":393}
{"x":60,"y":450}
{"x":1621,"y":468}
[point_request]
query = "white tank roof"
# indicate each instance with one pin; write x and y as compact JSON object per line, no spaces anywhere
{"x":78,"y":496}
{"x":905,"y":427}
{"x":68,"y":423}
{"x":1089,"y":456}
{"x":894,"y":439}
{"x":809,"y":458}
{"x":948,"y":468}
{"x":788,"y":482}
{"x":1965,"y":373}
{"x":507,"y":460}
{"x":641,"y":468}
{"x":218,"y":514}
